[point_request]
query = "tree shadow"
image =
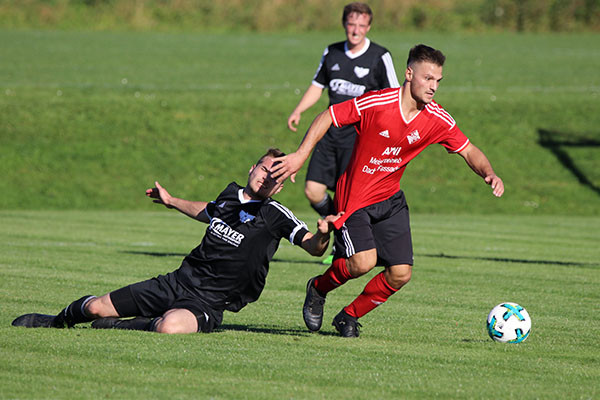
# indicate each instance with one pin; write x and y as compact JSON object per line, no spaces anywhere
{"x":556,"y":142}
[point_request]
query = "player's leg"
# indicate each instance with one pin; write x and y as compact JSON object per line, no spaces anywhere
{"x":319,"y":198}
{"x":101,"y":307}
{"x":177,"y":320}
{"x":320,"y":176}
{"x":143,"y":300}
{"x":355,"y":256}
{"x":188,"y":315}
{"x":394,"y":246}
{"x":72,"y":314}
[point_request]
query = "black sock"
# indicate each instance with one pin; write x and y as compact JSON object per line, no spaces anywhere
{"x":74,"y":313}
{"x":324,"y":207}
{"x":136,"y":324}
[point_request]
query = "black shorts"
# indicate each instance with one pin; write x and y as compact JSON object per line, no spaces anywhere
{"x":331,"y":156}
{"x":154,"y":297}
{"x":384,"y":226}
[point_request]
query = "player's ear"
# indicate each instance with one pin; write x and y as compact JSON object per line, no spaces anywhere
{"x":408,"y":74}
{"x":251,"y":169}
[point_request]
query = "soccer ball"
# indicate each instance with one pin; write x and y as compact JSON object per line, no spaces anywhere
{"x":508,"y":323}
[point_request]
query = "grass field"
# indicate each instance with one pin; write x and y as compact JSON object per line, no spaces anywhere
{"x":428,"y":341}
{"x":90,"y":119}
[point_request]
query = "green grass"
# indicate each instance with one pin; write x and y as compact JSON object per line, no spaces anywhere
{"x":427,"y":341}
{"x":90,"y":119}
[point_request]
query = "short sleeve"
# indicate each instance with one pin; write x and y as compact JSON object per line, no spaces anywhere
{"x":454,"y":140}
{"x":321,"y":79}
{"x":344,"y":113}
{"x":284,"y":224}
{"x":210,"y":209}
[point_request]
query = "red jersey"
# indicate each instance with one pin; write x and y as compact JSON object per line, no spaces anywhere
{"x":385,"y":143}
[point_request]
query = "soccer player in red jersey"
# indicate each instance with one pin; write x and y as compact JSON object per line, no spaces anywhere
{"x":393,"y":126}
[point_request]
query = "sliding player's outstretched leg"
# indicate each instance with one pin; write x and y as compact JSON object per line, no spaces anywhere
{"x":36,"y":321}
{"x":136,"y":324}
{"x":73,"y":314}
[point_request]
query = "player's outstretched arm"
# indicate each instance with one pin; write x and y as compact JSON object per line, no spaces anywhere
{"x":482,"y":167}
{"x":310,"y":97}
{"x":289,"y":164}
{"x":193,"y":209}
{"x":317,"y":244}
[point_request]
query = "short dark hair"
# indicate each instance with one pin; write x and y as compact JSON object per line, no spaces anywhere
{"x":360,"y":8}
{"x":272,"y":152}
{"x":421,"y":53}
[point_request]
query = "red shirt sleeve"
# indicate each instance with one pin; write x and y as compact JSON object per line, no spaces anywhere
{"x":454,"y":140}
{"x":344,"y":113}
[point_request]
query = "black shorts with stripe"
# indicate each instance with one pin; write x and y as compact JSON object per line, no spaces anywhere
{"x":153,"y":297}
{"x":384,"y":226}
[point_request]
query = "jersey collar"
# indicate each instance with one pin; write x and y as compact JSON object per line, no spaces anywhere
{"x":400,"y":106}
{"x":243,"y":200}
{"x":362,"y":51}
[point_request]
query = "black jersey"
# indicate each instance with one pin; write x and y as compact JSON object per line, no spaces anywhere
{"x":347,"y":75}
{"x":229,"y":268}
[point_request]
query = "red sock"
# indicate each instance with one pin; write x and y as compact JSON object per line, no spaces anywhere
{"x":375,"y":293}
{"x":336,"y":275}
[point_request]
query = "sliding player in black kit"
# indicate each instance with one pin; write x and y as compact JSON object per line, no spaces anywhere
{"x":225,"y":272}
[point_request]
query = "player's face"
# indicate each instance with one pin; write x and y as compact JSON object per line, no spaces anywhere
{"x":261,"y":184}
{"x":356,"y":26}
{"x":424,"y":78}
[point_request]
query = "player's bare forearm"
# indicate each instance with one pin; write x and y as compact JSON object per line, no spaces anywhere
{"x":317,"y":244}
{"x":480,"y":164}
{"x":193,"y":209}
{"x":289,"y":164}
{"x":310,"y":97}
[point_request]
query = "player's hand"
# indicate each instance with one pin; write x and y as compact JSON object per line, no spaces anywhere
{"x":496,"y":183}
{"x":325,"y":225}
{"x":160,"y":195}
{"x":287,"y":166}
{"x":293,"y":121}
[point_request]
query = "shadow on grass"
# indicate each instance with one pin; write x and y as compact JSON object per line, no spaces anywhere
{"x":557,"y":142}
{"x":160,"y":254}
{"x":441,"y":255}
{"x":511,"y":260}
{"x":155,"y":253}
{"x":272,"y":330}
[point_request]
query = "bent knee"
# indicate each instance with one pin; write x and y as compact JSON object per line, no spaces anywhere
{"x":177,"y":321}
{"x":357,"y":270}
{"x":315,"y":192}
{"x":171,"y":328}
{"x":398,"y":275}
{"x":361,"y":263}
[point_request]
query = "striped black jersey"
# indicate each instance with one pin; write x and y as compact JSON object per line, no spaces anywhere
{"x":229,"y":268}
{"x":346,"y":75}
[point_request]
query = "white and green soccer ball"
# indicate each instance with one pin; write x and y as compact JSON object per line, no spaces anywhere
{"x":508,"y":323}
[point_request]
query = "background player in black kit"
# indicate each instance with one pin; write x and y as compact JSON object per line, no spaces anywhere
{"x":225,"y":272}
{"x":347,"y":69}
